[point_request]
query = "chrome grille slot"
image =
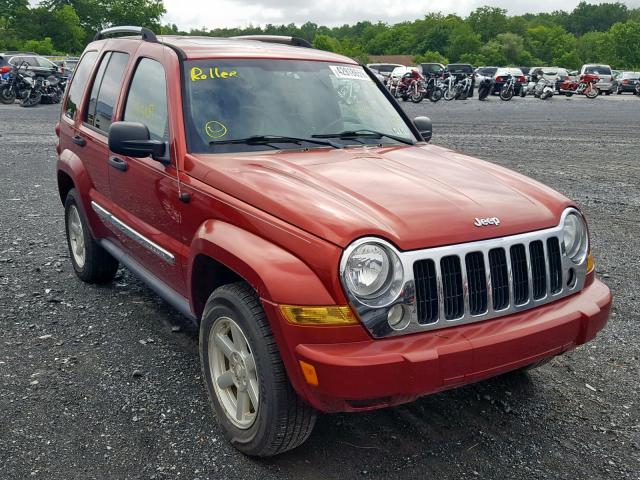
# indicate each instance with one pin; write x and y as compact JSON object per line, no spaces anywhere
{"x":555,"y":264}
{"x":538,"y":269}
{"x":452,"y":292}
{"x":477,"y":280}
{"x":520,"y":275}
{"x":499,"y":278}
{"x":424,"y":272}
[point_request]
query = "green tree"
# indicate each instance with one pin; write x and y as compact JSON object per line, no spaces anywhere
{"x":625,"y":38}
{"x":587,"y":17}
{"x":327,"y":43}
{"x":431,"y":57}
{"x":488,"y":21}
{"x":463,"y":40}
{"x":595,"y":47}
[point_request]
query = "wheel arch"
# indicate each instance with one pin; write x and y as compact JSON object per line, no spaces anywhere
{"x":223,"y":253}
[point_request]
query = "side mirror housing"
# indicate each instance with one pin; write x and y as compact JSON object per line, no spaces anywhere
{"x":424,"y":126}
{"x":132,"y":139}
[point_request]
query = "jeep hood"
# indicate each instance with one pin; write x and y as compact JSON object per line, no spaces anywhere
{"x":414,"y":196}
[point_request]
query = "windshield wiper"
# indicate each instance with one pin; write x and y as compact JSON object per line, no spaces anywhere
{"x":272,"y":139}
{"x":365,"y":133}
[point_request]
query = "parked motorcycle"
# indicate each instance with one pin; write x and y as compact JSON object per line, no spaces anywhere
{"x":484,"y":88}
{"x":16,"y":85}
{"x":542,"y":89}
{"x":411,"y":87}
{"x":463,"y":88}
{"x":448,"y":87}
{"x":585,"y":85}
{"x":433,"y":90}
{"x":508,"y":88}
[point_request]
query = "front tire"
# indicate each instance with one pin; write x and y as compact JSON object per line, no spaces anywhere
{"x":255,"y":405}
{"x":7,"y":95}
{"x":91,"y":262}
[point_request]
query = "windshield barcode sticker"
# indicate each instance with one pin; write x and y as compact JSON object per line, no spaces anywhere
{"x":354,"y":73}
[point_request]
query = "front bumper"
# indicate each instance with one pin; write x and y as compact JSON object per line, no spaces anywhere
{"x":370,"y":374}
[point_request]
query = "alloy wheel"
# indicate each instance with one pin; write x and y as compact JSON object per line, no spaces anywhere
{"x":233,"y":372}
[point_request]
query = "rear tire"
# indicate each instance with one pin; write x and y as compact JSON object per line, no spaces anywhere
{"x":281,"y":421}
{"x":506,"y":94}
{"x":91,"y":262}
{"x":436,"y":95}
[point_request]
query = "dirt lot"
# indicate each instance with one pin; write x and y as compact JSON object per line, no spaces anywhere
{"x":104,"y":382}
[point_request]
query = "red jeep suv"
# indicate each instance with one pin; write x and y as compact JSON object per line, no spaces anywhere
{"x":334,"y":260}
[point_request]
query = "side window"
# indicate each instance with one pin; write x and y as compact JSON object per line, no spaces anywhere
{"x":104,"y":92}
{"x":78,"y":83}
{"x":147,"y":99}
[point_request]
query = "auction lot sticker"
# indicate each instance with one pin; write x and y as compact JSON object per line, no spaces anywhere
{"x":354,"y":73}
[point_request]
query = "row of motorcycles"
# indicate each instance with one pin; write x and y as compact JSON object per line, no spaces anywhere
{"x":19,"y":83}
{"x":414,"y":87}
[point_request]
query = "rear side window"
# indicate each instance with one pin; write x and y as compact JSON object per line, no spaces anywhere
{"x":147,"y":99}
{"x":104,"y":92}
{"x":78,"y":83}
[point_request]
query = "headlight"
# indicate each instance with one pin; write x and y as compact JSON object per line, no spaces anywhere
{"x":373,"y":273}
{"x":576,"y":242}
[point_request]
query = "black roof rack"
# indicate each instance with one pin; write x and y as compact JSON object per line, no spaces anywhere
{"x":146,"y":34}
{"x":294,"y":41}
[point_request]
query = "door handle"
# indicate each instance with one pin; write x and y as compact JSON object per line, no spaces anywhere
{"x":78,"y":140}
{"x":118,"y":163}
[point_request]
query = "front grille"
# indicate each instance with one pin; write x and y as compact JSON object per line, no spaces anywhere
{"x":480,"y":283}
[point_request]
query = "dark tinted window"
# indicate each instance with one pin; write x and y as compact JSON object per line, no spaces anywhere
{"x":599,"y":70}
{"x":147,"y":100}
{"x":460,"y":68}
{"x":487,"y":72}
{"x":80,"y":77}
{"x":431,"y":68}
{"x":106,"y":87}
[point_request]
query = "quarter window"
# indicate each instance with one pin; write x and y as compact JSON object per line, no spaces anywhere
{"x":104,"y":92}
{"x":78,"y":83}
{"x":147,"y":100}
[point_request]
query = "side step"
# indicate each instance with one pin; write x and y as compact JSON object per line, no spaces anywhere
{"x":173,"y":298}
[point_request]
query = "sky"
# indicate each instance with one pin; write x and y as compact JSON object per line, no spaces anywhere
{"x":241,"y":13}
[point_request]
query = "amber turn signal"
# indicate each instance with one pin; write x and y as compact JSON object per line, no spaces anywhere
{"x":332,"y":315}
{"x":590,"y":263}
{"x":309,"y":373}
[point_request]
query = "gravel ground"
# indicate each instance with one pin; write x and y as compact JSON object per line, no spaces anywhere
{"x":104,"y":382}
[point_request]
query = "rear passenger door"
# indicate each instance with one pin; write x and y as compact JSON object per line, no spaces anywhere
{"x":91,"y":135}
{"x":143,"y":190}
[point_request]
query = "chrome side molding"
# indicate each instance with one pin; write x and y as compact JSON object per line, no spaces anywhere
{"x":136,"y":236}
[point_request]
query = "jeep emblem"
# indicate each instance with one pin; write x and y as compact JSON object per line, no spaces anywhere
{"x":483,"y":222}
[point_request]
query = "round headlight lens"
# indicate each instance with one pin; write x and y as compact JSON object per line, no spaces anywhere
{"x":372,"y":271}
{"x":575,"y":237}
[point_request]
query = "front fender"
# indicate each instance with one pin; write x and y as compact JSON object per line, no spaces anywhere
{"x":277,"y":275}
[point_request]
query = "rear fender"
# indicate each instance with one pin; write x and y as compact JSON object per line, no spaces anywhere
{"x":70,"y":164}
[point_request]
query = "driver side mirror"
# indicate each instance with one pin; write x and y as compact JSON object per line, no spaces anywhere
{"x":132,"y":139}
{"x":424,"y":126}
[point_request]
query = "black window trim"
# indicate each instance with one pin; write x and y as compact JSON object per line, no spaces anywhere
{"x":84,"y":91}
{"x":93,"y":79}
{"x":127,"y":91}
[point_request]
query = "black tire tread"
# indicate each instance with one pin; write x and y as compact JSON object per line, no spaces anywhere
{"x":99,"y":267}
{"x":295,"y":419}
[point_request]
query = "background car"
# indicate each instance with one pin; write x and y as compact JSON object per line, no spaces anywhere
{"x":605,"y":84}
{"x":429,"y":69}
{"x":67,"y":65}
{"x":626,"y":82}
{"x":385,"y":69}
{"x":378,"y":75}
{"x":499,"y":79}
{"x":556,"y":75}
{"x":482,"y":73}
{"x":460,"y":70}
{"x":39,"y":65}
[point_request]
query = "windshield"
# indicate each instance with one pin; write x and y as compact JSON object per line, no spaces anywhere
{"x":598,"y":70}
{"x":229,"y":100}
